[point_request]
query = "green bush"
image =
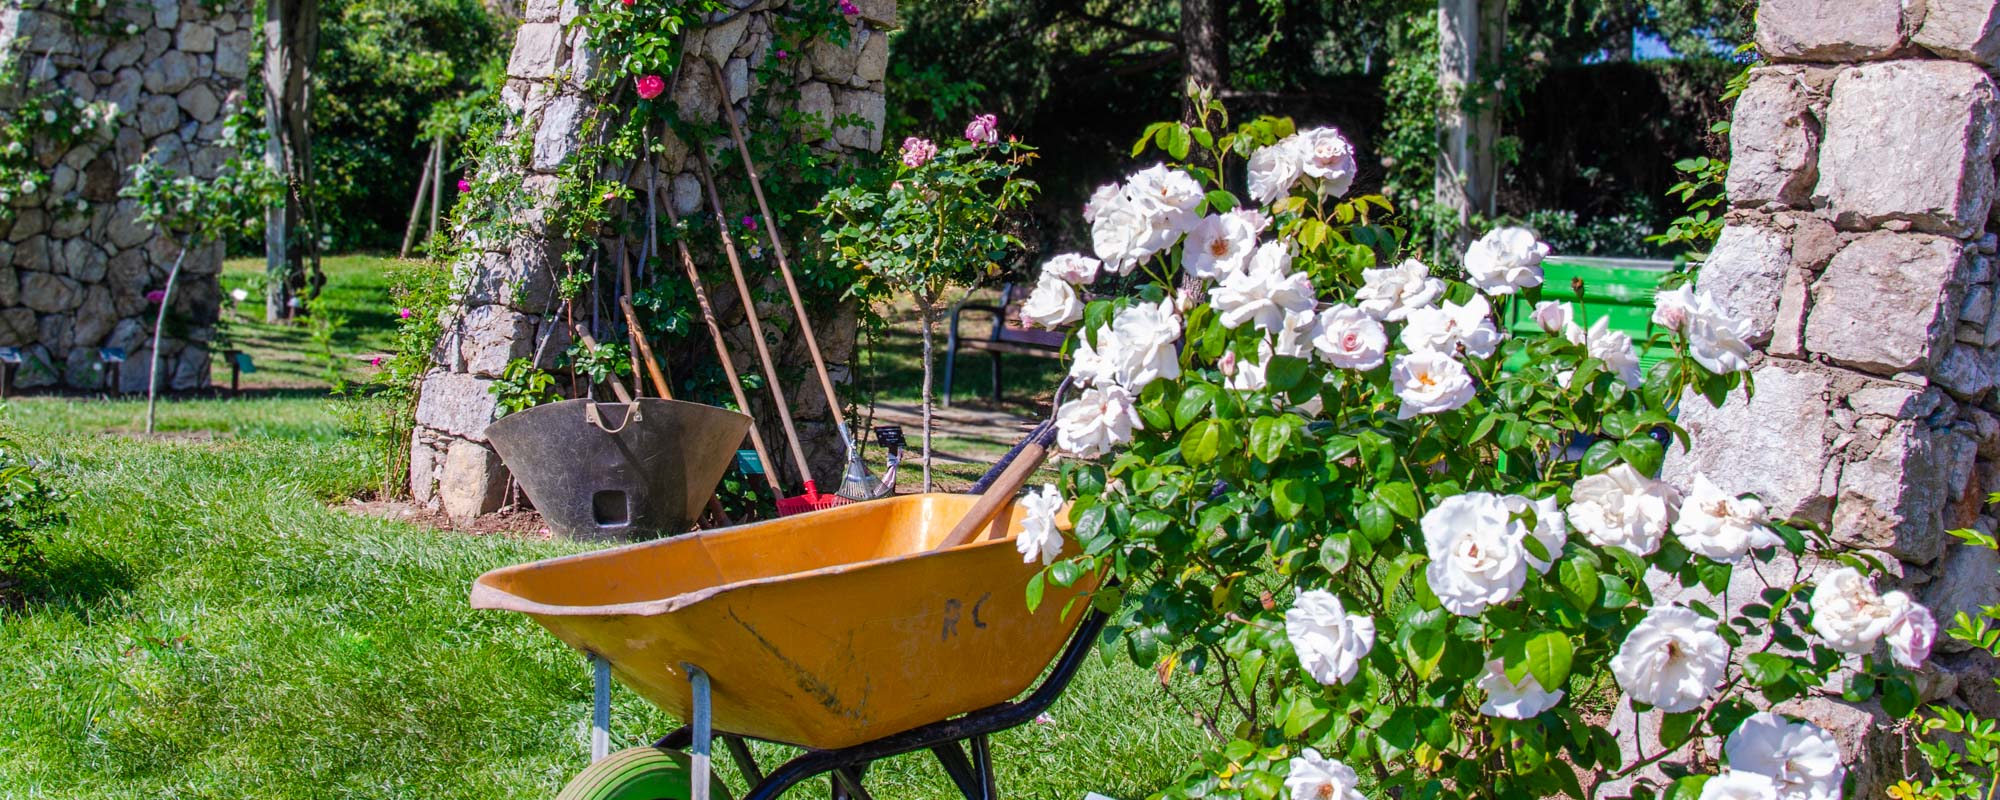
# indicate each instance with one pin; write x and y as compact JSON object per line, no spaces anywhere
{"x":28,"y":503}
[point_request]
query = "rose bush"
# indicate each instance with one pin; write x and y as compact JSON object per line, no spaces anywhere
{"x":1311,"y":479}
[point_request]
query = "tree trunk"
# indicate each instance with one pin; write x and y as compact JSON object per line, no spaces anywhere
{"x":291,"y":47}
{"x":1204,"y":48}
{"x":925,"y":308}
{"x":1467,"y":185}
{"x":159,"y":326}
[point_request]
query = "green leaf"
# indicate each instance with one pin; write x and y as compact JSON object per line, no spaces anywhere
{"x":1644,"y":453}
{"x":1288,"y":498}
{"x":1399,"y":497}
{"x":1194,"y":402}
{"x":1303,"y":713}
{"x":1336,"y":552}
{"x":1220,"y":201}
{"x":1579,"y":580}
{"x":1676,"y":729}
{"x":1766,"y":669}
{"x":1899,"y":699}
{"x":1285,"y":373}
{"x":1545,"y":655}
{"x":1202,"y":442}
{"x":1601,"y":456}
{"x":1377,"y":521}
{"x":1035,"y":589}
{"x":1268,"y":437}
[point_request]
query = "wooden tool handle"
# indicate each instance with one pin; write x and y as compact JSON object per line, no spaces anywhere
{"x":999,"y":494}
{"x":617,"y":388}
{"x":645,"y":348}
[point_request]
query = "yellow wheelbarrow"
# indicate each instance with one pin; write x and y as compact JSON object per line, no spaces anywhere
{"x":842,"y":632}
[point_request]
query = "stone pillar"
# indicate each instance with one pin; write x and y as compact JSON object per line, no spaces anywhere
{"x":1860,"y":242}
{"x":75,"y":264}
{"x":508,"y":308}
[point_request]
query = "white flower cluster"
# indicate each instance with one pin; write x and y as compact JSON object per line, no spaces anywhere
{"x":1853,"y":619}
{"x":1716,"y":340}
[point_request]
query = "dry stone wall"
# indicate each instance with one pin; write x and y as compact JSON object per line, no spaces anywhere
{"x":76,"y":265}
{"x":508,"y":309}
{"x":1861,"y":242}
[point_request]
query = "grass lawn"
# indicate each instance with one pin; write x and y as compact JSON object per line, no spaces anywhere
{"x":357,"y":290}
{"x":212,"y":627}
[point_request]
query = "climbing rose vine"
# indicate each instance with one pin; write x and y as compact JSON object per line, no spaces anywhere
{"x":1384,"y":547}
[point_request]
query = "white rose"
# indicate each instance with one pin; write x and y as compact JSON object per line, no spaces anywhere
{"x":1221,"y":244}
{"x":1505,"y":260}
{"x":1328,"y":159}
{"x":1101,"y":418}
{"x":1452,"y":327}
{"x":1672,"y":307}
{"x":1122,"y":235}
{"x":1559,"y":319}
{"x":1721,"y":526}
{"x":1615,"y":349}
{"x":1265,"y":292}
{"x":1300,"y":328}
{"x":1800,"y":759}
{"x":1088,"y":366}
{"x":239,"y":295}
{"x":1350,"y":339}
{"x":1848,"y":614}
{"x":1167,"y":194}
{"x":1142,"y":350}
{"x":1039,"y":539}
{"x":1911,"y":631}
{"x":1621,"y":508}
{"x":1053,"y":304}
{"x":1076,"y":268}
{"x":1245,"y":375}
{"x":1718,"y":342}
{"x":48,"y":116}
{"x":1671,"y":660}
{"x":1550,"y":531}
{"x":1274,"y":169}
{"x":1476,"y":557}
{"x":1429,"y":382}
{"x":1510,"y":700}
{"x":1104,"y":196}
{"x":1391,"y":294}
{"x":1312,"y":776}
{"x":1329,"y":641}
{"x":1739,"y":785}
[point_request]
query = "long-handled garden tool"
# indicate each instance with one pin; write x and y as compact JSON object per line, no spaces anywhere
{"x":812,"y":500}
{"x":715,"y":335}
{"x":857,"y":483}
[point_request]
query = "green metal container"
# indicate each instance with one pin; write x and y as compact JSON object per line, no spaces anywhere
{"x":1620,"y":289}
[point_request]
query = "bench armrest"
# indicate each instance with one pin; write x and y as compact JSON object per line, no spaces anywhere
{"x":995,"y":312}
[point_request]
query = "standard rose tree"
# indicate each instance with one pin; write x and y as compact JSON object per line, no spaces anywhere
{"x":1308,"y":479}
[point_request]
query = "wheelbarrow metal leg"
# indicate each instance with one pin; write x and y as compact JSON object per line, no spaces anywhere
{"x":704,"y":732}
{"x":971,"y":780}
{"x":745,"y":764}
{"x":982,"y":760}
{"x":847,"y":783}
{"x":600,"y":708}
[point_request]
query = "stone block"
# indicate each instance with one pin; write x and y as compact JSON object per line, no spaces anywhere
{"x":1773,"y":444}
{"x":831,"y":61}
{"x":490,"y":336}
{"x":1936,"y":121}
{"x":537,"y":50}
{"x":1965,"y":30}
{"x":1967,"y":372}
{"x":686,"y":194}
{"x":867,"y":105}
{"x":158,"y":114}
{"x":879,"y":13}
{"x":232,"y":55}
{"x":558,"y":136}
{"x":872,"y":64}
{"x":816,"y":100}
{"x":456,"y":403}
{"x":721,"y":40}
{"x":1833,"y":30}
{"x":1745,"y":273}
{"x":1906,"y":278}
{"x":49,"y":293}
{"x":28,"y":224}
{"x":200,"y":102}
{"x":697,"y":96}
{"x":17,"y":327}
{"x":10,"y":284}
{"x":473,"y":481}
{"x":170,"y":73}
{"x":1894,"y":498}
{"x":423,"y":468}
{"x":736,"y":80}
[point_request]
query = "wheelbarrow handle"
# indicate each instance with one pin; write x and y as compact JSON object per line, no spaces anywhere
{"x":1003,"y":489}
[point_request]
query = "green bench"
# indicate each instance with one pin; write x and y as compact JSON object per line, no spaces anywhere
{"x":1619,"y":288}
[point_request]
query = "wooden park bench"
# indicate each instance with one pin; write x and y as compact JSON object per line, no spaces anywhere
{"x":1009,"y":335}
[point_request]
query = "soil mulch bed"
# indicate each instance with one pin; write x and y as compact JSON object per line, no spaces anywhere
{"x":521,"y":522}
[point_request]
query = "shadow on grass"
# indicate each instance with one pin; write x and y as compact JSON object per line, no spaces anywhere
{"x":895,"y":371}
{"x":73,"y":579}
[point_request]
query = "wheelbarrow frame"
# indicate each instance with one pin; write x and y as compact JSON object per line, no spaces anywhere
{"x":948,"y":739}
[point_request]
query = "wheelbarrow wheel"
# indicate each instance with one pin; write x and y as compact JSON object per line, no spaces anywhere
{"x":641,"y":773}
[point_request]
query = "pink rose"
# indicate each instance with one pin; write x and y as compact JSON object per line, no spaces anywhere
{"x":464,"y":185}
{"x":782,"y":55}
{"x":918,"y":152}
{"x":375,"y":362}
{"x":984,"y":129}
{"x":403,"y":313}
{"x":156,"y":296}
{"x":651,"y":86}
{"x":849,"y":8}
